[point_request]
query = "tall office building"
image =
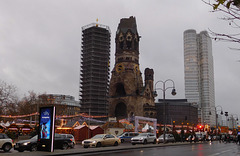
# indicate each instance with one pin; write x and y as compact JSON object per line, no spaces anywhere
{"x":199,"y":76}
{"x":94,"y":73}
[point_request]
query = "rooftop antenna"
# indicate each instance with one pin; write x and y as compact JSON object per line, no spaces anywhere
{"x":97,"y":22}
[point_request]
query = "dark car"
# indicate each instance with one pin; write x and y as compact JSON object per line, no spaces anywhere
{"x":29,"y":145}
{"x":71,"y":137}
{"x":61,"y":141}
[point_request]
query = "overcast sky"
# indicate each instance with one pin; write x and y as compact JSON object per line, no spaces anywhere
{"x":40,"y":43}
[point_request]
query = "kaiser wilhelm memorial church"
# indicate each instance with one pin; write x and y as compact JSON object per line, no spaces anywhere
{"x":128,"y":95}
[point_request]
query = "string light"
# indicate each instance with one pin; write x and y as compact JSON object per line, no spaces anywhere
{"x":58,"y":116}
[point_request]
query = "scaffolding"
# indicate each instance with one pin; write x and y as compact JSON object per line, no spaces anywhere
{"x":94,"y":73}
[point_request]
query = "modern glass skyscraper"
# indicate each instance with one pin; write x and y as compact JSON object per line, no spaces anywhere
{"x":199,"y":75}
{"x":94,"y":77}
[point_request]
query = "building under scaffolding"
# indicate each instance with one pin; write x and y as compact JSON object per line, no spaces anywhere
{"x":94,"y":74}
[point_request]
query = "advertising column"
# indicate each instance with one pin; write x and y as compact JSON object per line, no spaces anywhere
{"x":46,"y":129}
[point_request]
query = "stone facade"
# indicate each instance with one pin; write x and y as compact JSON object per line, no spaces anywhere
{"x":127,"y":94}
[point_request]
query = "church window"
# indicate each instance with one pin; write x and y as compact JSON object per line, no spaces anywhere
{"x":121,"y":45}
{"x":135,"y":44}
{"x":129,"y":44}
{"x":120,"y":90}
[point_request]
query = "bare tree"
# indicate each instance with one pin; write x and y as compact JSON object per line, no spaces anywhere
{"x":8,"y":98}
{"x":28,"y":104}
{"x":231,"y":10}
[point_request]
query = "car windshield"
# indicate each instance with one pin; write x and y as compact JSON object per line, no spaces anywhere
{"x":98,"y":136}
{"x":142,"y":134}
{"x":122,"y":134}
{"x":35,"y":137}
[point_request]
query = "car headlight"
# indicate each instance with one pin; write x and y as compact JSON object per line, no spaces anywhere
{"x":140,"y":138}
{"x":94,"y":142}
{"x":157,"y":140}
{"x":25,"y":143}
{"x":82,"y":142}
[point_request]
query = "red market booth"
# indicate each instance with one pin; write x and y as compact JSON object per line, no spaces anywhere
{"x":2,"y":129}
{"x":26,"y":129}
{"x":67,"y":128}
{"x":81,"y":133}
{"x":96,"y":130}
{"x":13,"y":128}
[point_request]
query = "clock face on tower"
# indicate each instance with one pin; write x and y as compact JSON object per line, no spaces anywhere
{"x":119,"y":67}
{"x":121,"y":37}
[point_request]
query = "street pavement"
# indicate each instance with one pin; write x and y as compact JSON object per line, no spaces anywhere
{"x":78,"y":149}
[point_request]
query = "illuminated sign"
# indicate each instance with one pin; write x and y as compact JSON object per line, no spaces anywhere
{"x":46,"y":128}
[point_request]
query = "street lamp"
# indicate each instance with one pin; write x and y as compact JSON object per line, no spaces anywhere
{"x":233,"y":119}
{"x":164,"y":90}
{"x":216,"y":115}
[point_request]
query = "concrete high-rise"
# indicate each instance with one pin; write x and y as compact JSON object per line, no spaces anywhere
{"x":199,"y":74}
{"x":94,"y":74}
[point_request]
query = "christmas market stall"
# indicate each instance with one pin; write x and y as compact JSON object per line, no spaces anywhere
{"x":96,"y":130}
{"x":113,"y":127}
{"x":13,"y":128}
{"x":25,"y":129}
{"x":81,"y":133}
{"x":2,"y":129}
{"x":67,"y":128}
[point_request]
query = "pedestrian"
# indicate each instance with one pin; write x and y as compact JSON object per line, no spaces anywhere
{"x":220,"y":138}
{"x":182,"y":135}
{"x":238,"y":138}
{"x":191,"y":138}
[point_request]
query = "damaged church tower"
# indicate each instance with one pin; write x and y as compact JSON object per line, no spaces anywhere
{"x":128,"y":96}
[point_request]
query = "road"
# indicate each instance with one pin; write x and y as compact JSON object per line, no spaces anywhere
{"x":186,"y":149}
{"x":205,"y":149}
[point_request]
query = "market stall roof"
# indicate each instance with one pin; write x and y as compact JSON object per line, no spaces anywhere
{"x":93,"y":127}
{"x":80,"y":127}
{"x":112,"y":125}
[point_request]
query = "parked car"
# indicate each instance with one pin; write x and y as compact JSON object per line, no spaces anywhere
{"x":127,"y":136}
{"x":29,"y":145}
{"x":101,"y":140}
{"x":71,"y":137}
{"x":144,"y":138}
{"x":216,"y":137}
{"x":192,"y":138}
{"x":200,"y":137}
{"x":61,"y":141}
{"x":168,"y":138}
{"x":6,"y":143}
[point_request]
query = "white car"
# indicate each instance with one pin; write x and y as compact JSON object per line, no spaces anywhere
{"x":6,"y":143}
{"x":168,"y":138}
{"x":144,"y":138}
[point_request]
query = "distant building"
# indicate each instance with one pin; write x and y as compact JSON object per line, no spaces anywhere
{"x":94,"y":77}
{"x":178,"y":110}
{"x":65,"y":104}
{"x":199,"y":74}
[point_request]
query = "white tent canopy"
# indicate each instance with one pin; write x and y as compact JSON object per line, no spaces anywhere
{"x":147,"y":127}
